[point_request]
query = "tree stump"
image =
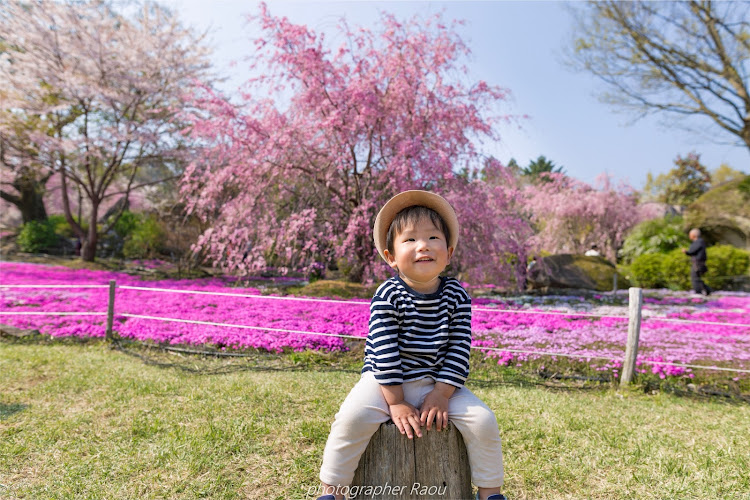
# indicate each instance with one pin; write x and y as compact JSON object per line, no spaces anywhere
{"x":394,"y":467}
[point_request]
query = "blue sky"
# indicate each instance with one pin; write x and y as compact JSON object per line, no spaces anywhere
{"x":517,"y":45}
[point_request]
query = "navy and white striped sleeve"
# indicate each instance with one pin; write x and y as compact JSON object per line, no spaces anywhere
{"x":455,"y":368}
{"x":382,"y":342}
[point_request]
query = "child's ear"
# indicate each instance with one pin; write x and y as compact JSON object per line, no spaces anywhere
{"x":390,"y":258}
{"x":450,"y":253}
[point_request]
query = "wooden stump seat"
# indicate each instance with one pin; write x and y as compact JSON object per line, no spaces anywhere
{"x":396,"y":467}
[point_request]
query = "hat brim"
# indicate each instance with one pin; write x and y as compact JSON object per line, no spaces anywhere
{"x":411,"y":199}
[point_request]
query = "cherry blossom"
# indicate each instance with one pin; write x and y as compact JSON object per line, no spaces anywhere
{"x":327,"y":134}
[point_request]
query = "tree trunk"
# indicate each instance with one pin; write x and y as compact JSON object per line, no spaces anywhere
{"x":30,"y":200}
{"x":88,"y":249}
{"x":32,"y":203}
{"x":356,"y":274}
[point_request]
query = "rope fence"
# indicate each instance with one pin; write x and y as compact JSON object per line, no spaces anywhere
{"x":54,"y":286}
{"x":247,"y":327}
{"x":367,"y":303}
{"x":52,"y":313}
{"x":245,"y":295}
{"x":634,"y":321}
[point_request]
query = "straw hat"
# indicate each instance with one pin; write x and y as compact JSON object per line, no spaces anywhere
{"x":410,"y":199}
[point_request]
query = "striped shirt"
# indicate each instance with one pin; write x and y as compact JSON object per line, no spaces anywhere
{"x":413,"y":335}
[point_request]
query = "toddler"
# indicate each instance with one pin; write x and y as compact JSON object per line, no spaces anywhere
{"x":417,"y":350}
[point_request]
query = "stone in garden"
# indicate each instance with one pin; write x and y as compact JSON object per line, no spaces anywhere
{"x":12,"y":331}
{"x":575,"y":271}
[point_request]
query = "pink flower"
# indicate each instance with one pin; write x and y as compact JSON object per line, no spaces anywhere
{"x":280,"y":324}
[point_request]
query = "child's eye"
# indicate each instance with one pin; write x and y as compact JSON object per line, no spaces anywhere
{"x":409,"y":239}
{"x":434,"y":237}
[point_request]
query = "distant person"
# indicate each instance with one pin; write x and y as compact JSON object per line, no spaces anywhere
{"x":593,"y":251}
{"x":697,"y":253}
{"x":248,"y":249}
{"x":531,"y":267}
{"x":532,"y":264}
{"x":533,"y":271}
{"x":78,"y":246}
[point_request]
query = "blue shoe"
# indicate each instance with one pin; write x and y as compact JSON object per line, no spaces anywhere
{"x":496,"y":496}
{"x":327,"y":497}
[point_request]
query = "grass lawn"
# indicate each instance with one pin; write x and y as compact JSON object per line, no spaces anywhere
{"x":85,"y":421}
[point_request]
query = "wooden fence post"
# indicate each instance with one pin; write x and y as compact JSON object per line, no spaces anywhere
{"x":614,"y":283}
{"x":110,"y":310}
{"x":634,"y":332}
{"x":435,"y":466}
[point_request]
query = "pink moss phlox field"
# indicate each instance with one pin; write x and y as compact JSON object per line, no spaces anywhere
{"x":334,"y":318}
{"x":588,"y":337}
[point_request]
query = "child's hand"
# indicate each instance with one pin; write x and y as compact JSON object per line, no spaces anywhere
{"x":435,"y":407}
{"x":406,"y":418}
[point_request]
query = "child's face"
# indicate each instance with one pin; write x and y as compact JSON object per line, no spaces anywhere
{"x":420,"y":253}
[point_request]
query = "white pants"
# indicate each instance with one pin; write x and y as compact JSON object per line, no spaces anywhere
{"x":365,"y":408}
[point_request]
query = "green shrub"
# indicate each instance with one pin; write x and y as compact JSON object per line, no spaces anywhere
{"x":60,"y":225}
{"x":126,"y":224}
{"x":646,"y":270}
{"x":725,"y":262}
{"x":744,"y":187}
{"x":63,"y":228}
{"x":38,"y":236}
{"x":145,"y":239}
{"x":676,"y":270}
{"x":654,"y":236}
{"x":112,"y":243}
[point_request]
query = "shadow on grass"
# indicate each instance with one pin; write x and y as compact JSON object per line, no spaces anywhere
{"x":208,"y":362}
{"x":8,"y":410}
{"x":205,"y":362}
